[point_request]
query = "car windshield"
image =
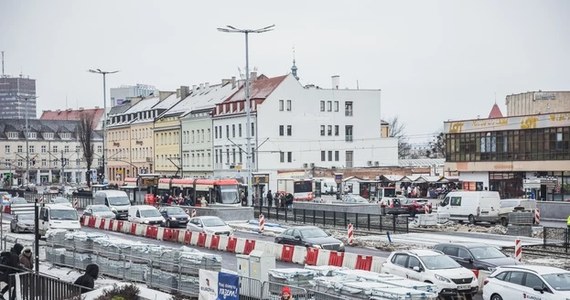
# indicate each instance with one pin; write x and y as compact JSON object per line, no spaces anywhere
{"x":149,"y":213}
{"x":60,"y":200}
{"x":61,"y":214}
{"x":19,"y":201}
{"x":101,"y":208}
{"x":174,"y":211}
{"x":119,"y":200}
{"x":213,"y":222}
{"x":508,"y":203}
{"x":229,"y":195}
{"x":26,"y":217}
{"x":313,"y":233}
{"x":487,"y":253}
{"x":438,"y":262}
{"x":558,"y":281}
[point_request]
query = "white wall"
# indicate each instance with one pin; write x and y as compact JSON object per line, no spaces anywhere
{"x":475,"y":176}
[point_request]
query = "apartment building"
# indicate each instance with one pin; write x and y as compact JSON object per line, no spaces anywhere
{"x":537,"y":102}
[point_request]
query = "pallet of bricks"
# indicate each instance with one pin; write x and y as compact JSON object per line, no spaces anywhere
{"x":520,"y":223}
{"x":291,"y":277}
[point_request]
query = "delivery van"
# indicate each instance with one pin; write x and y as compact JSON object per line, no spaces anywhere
{"x":58,"y":216}
{"x":117,"y":201}
{"x":145,"y":214}
{"x":472,"y":206}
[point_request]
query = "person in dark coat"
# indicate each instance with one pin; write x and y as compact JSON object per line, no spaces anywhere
{"x":269,"y":199}
{"x":12,"y":262}
{"x":87,"y":280}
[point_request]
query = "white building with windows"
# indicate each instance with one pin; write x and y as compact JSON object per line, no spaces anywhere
{"x":296,"y":127}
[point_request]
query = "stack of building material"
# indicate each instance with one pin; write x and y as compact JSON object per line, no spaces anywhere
{"x":290,"y":277}
{"x":520,"y":223}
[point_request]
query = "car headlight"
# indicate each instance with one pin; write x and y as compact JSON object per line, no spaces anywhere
{"x":145,"y":222}
{"x":441,"y":278}
{"x":317,"y":246}
{"x":173,"y":218}
{"x":114,"y":210}
{"x":341,"y":245}
{"x":491,"y":269}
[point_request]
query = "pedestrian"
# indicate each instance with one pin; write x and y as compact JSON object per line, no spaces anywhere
{"x":26,"y":259}
{"x":286,"y":293}
{"x":11,"y":262}
{"x":87,"y":280}
{"x":269,"y":198}
{"x":568,"y":222}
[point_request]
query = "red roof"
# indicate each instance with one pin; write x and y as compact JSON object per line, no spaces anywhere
{"x":74,"y":115}
{"x":495,"y":112}
{"x":259,"y":89}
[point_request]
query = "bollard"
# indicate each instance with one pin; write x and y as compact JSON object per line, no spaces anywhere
{"x":536,"y":216}
{"x":193,"y":213}
{"x":518,"y":250}
{"x":75,"y":203}
{"x":426,"y":209}
{"x":389,"y":238}
{"x":350,"y":233}
{"x":261,"y":223}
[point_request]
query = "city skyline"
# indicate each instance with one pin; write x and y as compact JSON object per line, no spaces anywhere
{"x":457,"y":58}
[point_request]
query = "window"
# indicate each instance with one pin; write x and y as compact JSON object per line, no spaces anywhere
{"x":31,"y":149}
{"x":329,"y":105}
{"x":322,"y":105}
{"x":336,"y":106}
{"x":20,"y":149}
{"x":322,"y":130}
{"x":233,"y":156}
{"x":44,"y":162}
{"x":20,"y":163}
{"x":239,"y":130}
{"x":289,"y":156}
{"x":216,"y":154}
{"x":336,"y":156}
{"x":228,"y":130}
{"x":77,"y":148}
{"x":455,"y":201}
{"x":400,"y":260}
{"x":252,"y":130}
{"x":533,"y":281}
{"x":7,"y":149}
{"x":99,"y":148}
{"x":515,"y":277}
{"x":282,"y":156}
{"x":66,"y":148}
{"x":77,"y":162}
{"x":288,"y":105}
{"x":280,"y":105}
{"x":281,"y":130}
{"x":336,"y":130}
{"x":289,"y":130}
{"x":348,"y":108}
{"x":349,"y":159}
{"x":329,"y":131}
{"x":413,"y":262}
{"x":323,"y":155}
{"x":227,"y":156}
{"x":233,"y":130}
{"x":12,"y":135}
{"x":330,"y":155}
{"x":348,"y":133}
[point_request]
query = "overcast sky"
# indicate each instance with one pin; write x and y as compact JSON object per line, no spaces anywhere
{"x":433,"y":60}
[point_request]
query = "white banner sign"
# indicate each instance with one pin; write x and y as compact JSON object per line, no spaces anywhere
{"x":208,"y":285}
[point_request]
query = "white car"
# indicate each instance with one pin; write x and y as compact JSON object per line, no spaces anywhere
{"x":209,"y":224}
{"x":450,"y":278}
{"x":527,"y":282}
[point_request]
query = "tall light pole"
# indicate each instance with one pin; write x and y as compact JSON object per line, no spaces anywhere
{"x":249,"y":151}
{"x":27,"y":133}
{"x":104,"y":73}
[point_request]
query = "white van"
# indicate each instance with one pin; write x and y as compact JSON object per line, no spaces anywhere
{"x":472,"y":206}
{"x":57,"y":216}
{"x":117,"y":201}
{"x":145,"y":214}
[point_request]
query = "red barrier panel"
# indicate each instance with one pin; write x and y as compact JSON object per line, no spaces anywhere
{"x":215,"y":242}
{"x":363,"y":263}
{"x":249,"y":246}
{"x":312,"y":255}
{"x":187,"y":237}
{"x":151,"y":232}
{"x":201,"y":240}
{"x":120,"y":226}
{"x":134,"y":228}
{"x":232,"y":243}
{"x":336,"y":258}
{"x":91,"y":221}
{"x":167,"y":234}
{"x":7,"y":209}
{"x":102,"y":224}
{"x":287,"y":253}
{"x":111,"y":224}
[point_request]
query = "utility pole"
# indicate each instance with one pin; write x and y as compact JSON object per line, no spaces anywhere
{"x":27,"y":133}
{"x":62,"y":168}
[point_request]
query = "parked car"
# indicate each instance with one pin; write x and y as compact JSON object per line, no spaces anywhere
{"x":476,"y":256}
{"x":57,"y":216}
{"x":60,"y":200}
{"x":450,"y":278}
{"x":309,"y":236}
{"x":22,"y":223}
{"x":393,"y":206}
{"x":209,"y":224}
{"x":527,"y":282}
{"x":349,"y":198}
{"x":415,"y":206}
{"x":174,"y":216}
{"x":145,"y":214}
{"x":511,"y":205}
{"x":117,"y":201}
{"x":101,"y":211}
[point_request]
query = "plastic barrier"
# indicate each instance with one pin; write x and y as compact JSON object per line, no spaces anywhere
{"x":98,"y":223}
{"x":249,"y":246}
{"x":102,"y":223}
{"x":312,"y":256}
{"x":299,"y":255}
{"x":323,"y":259}
{"x":91,"y":221}
{"x":240,"y":245}
{"x":109,"y":225}
{"x":174,"y":236}
{"x":151,"y":232}
{"x":141,"y":229}
{"x":133,"y":229}
{"x":518,"y":249}
{"x":223,"y":243}
{"x":194,"y":239}
{"x":232,"y":244}
{"x":127,"y":227}
{"x":349,"y":260}
{"x":160,"y":233}
{"x":287,"y":252}
{"x":85,"y":221}
{"x":363,"y":262}
{"x":377,"y":264}
{"x":336,"y":258}
{"x":214,"y":242}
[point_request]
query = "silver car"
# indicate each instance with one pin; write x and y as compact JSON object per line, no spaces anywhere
{"x":101,"y":211}
{"x":22,"y":223}
{"x":209,"y":224}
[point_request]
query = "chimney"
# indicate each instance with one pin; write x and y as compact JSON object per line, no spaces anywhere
{"x":194,"y":88}
{"x":201,"y":86}
{"x":233,"y":82}
{"x":207,"y":85}
{"x":253,"y":76}
{"x":184,"y":91}
{"x":225,"y":81}
{"x":335,"y":81}
{"x":163,"y":95}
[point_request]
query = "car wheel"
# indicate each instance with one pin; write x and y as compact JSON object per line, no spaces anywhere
{"x":471,"y":219}
{"x":496,"y":297}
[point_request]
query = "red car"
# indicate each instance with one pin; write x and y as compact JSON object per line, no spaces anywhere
{"x":416,"y":206}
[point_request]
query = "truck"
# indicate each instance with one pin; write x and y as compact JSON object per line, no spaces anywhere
{"x":57,"y":216}
{"x":472,"y":206}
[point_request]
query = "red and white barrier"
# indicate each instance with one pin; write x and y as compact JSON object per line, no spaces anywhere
{"x":261,"y":223}
{"x":377,"y":263}
{"x":350,"y":233}
{"x":518,"y":250}
{"x":75,"y":203}
{"x":426,"y":209}
{"x":299,"y":255}
{"x":537,"y":216}
{"x":193,"y":213}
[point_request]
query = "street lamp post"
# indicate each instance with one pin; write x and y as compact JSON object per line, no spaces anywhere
{"x":104,"y":73}
{"x":248,"y":132}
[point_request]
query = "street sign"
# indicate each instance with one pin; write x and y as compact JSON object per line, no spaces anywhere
{"x":338,"y":178}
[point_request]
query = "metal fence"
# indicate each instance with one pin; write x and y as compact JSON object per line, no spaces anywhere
{"x":29,"y":286}
{"x":555,"y":237}
{"x":360,"y":221}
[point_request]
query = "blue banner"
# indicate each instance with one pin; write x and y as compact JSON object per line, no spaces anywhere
{"x":228,"y":286}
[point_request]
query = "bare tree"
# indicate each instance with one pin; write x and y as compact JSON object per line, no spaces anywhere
{"x":397,"y":130}
{"x":85,"y":134}
{"x":437,"y":146}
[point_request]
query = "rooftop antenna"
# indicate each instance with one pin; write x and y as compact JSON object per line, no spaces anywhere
{"x":495,"y":97}
{"x":357,"y":85}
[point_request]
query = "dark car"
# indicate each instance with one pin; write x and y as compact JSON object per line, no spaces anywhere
{"x":415,"y":206}
{"x":309,"y":236}
{"x":174,"y":216}
{"x":476,"y":256}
